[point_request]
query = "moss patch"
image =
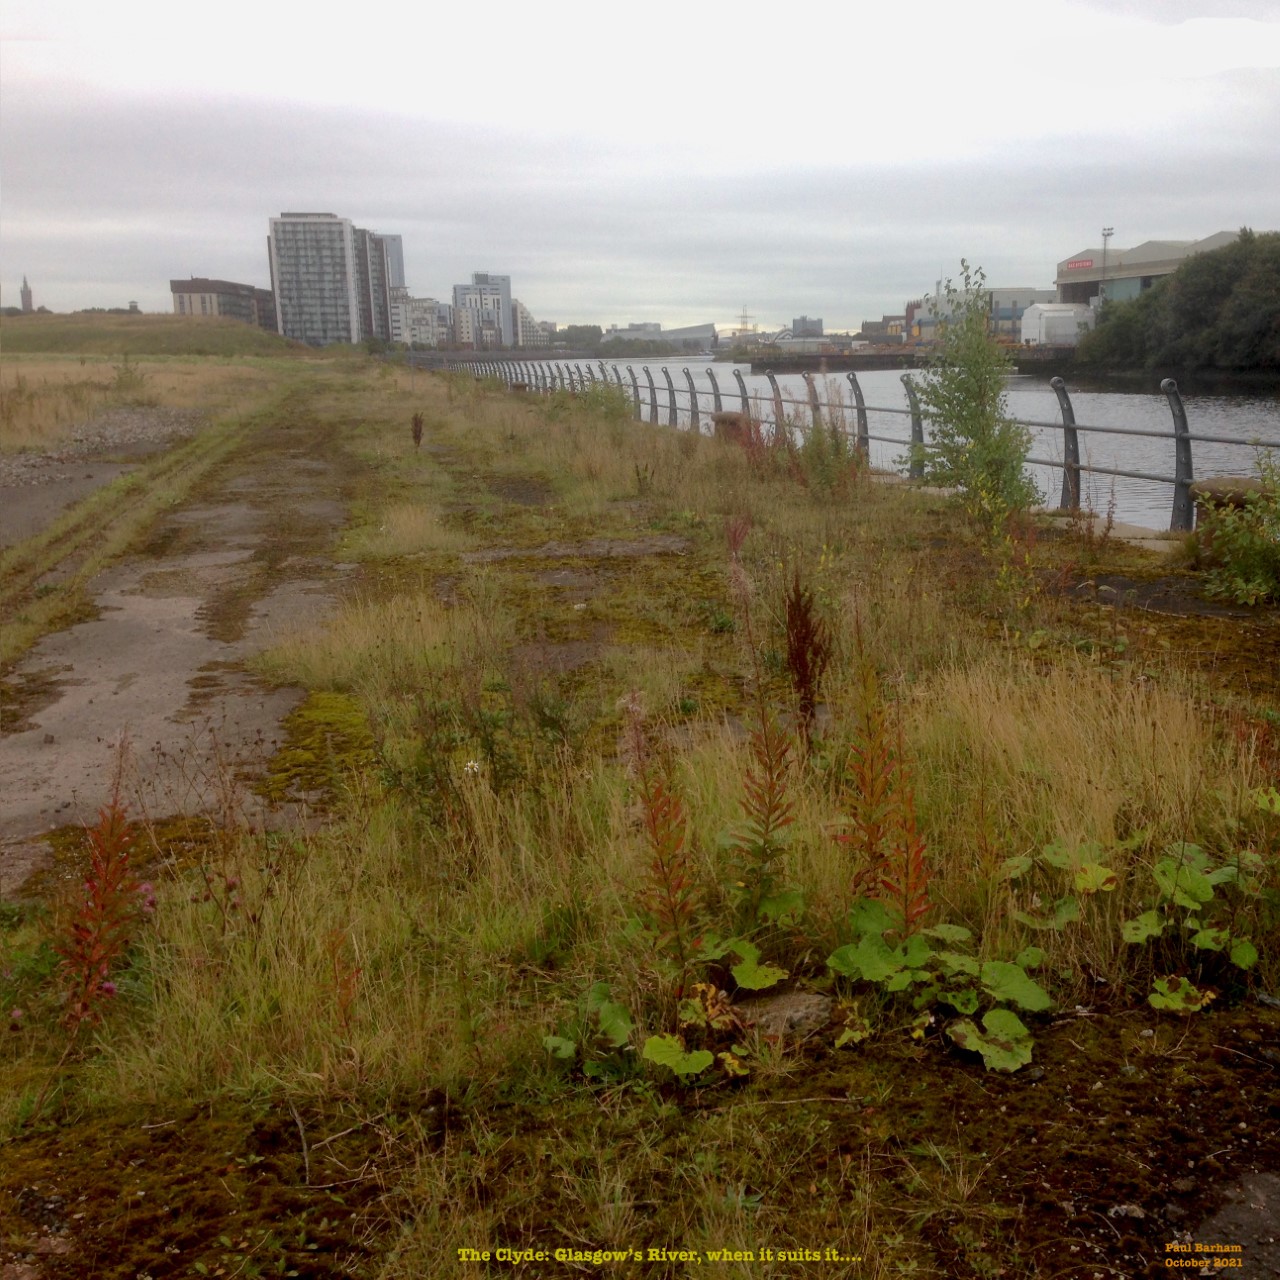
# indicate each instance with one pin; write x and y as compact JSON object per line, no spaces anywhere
{"x":327,"y":739}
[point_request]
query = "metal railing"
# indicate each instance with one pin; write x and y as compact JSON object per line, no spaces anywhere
{"x":688,"y":405}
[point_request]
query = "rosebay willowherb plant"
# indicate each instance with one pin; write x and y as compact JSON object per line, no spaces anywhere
{"x":102,"y":923}
{"x":104,"y":917}
{"x":809,"y":650}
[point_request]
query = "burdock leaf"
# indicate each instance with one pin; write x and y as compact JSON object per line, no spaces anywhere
{"x":559,"y":1047}
{"x":1006,"y":981}
{"x":669,"y":1052}
{"x":752,"y":976}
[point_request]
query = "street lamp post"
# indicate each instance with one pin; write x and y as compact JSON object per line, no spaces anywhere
{"x":1107,"y":233}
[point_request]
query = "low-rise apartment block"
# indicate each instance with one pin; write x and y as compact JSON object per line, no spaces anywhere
{"x":200,"y":296}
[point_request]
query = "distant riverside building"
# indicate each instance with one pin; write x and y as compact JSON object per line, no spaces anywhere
{"x":886,"y":329}
{"x":332,"y":280}
{"x":1005,"y":309}
{"x":697,"y":337}
{"x":1056,"y":323}
{"x":1007,"y":306}
{"x":804,"y":327}
{"x":200,"y":296}
{"x":1121,"y":274}
{"x":395,"y":260}
{"x":527,"y":331}
{"x":313,"y":276}
{"x":420,"y":322}
{"x":26,"y":295}
{"x":634,"y":332}
{"x":373,"y":284}
{"x":482,"y":311}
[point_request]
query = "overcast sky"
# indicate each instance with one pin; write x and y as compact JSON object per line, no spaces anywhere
{"x":658,"y":161}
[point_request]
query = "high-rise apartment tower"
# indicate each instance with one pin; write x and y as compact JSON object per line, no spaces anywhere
{"x":332,"y":280}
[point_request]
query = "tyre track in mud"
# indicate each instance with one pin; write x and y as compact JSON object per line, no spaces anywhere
{"x":161,"y":667}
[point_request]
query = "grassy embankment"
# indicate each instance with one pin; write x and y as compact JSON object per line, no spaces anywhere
{"x":561,"y":731}
{"x":59,"y":372}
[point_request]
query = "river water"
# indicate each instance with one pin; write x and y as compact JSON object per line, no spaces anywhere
{"x":1238,"y":418}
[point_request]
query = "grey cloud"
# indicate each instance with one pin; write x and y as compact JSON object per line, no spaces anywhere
{"x":106,"y":200}
{"x":1171,"y":12}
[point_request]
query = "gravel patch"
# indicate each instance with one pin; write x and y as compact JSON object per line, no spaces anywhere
{"x":128,"y":432}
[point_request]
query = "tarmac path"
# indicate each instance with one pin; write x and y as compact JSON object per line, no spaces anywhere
{"x":155,"y":684}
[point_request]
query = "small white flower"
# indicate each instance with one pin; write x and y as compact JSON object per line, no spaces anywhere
{"x":471,"y":768}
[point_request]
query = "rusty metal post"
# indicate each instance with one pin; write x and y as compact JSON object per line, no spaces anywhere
{"x":742,"y":390}
{"x":635,"y":392}
{"x":653,"y":396}
{"x":864,"y":437}
{"x":916,"y":470}
{"x":815,"y":410}
{"x":1183,"y":517}
{"x":779,"y":413}
{"x":1070,"y":499}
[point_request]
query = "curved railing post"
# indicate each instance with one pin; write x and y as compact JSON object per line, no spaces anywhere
{"x":1070,"y":500}
{"x":653,"y":396}
{"x":693,"y":402}
{"x":672,"y":416}
{"x":1183,"y":518}
{"x":864,"y":435}
{"x":604,"y":373}
{"x":779,"y":413}
{"x":582,"y":381}
{"x":616,"y":375}
{"x":916,"y":470}
{"x":742,"y":390}
{"x":715,"y":392}
{"x":814,"y":410}
{"x":635,"y":393}
{"x":716,"y":401}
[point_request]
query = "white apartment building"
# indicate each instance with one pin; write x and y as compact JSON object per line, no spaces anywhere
{"x":528,"y":332}
{"x":421,"y":322}
{"x":479,"y":329}
{"x":489,"y":297}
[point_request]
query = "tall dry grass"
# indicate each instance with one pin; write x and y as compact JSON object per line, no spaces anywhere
{"x":47,"y":399}
{"x":459,"y":898}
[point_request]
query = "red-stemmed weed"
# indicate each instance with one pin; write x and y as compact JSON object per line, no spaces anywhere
{"x":809,"y":651}
{"x":881,"y":830}
{"x":103,"y":920}
{"x":671,"y":901}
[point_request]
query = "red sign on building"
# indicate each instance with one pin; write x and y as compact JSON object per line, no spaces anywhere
{"x":1077,"y":264}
